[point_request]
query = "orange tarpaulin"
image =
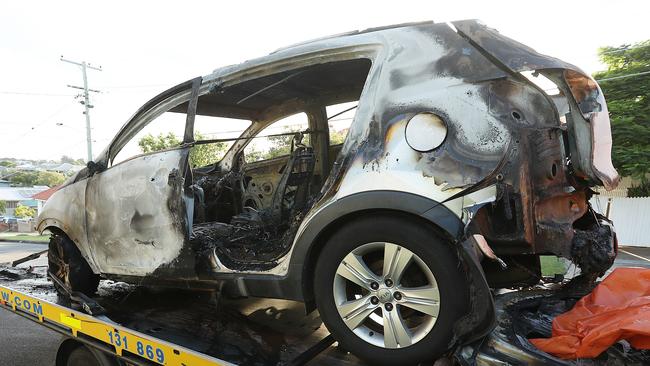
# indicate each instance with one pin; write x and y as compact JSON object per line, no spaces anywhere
{"x":618,"y":308}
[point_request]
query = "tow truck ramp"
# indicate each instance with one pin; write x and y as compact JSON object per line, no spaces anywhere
{"x":102,"y":333}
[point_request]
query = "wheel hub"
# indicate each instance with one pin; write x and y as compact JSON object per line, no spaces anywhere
{"x":384,"y":295}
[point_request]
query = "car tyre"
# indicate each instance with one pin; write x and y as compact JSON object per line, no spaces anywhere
{"x":68,"y":265}
{"x":407,"y":331}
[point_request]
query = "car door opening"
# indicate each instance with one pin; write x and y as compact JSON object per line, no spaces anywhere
{"x":249,"y":205}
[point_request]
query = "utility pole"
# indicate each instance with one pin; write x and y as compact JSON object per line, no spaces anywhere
{"x":86,"y":102}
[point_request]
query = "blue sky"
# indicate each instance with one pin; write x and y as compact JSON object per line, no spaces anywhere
{"x":146,"y":46}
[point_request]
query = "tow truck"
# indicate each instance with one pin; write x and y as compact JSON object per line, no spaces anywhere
{"x":131,"y":325}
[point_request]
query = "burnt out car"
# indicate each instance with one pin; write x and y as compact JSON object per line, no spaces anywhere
{"x":459,"y":168}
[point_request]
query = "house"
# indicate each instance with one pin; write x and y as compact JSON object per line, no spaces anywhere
{"x":14,"y":196}
{"x":43,"y":196}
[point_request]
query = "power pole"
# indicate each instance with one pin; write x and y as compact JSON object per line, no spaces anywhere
{"x":86,"y":102}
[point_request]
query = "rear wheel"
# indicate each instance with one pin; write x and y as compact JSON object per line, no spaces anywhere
{"x":74,"y":353}
{"x":389,"y":290}
{"x":69,"y":267}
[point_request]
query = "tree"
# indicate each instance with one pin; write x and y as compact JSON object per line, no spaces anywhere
{"x":24,"y":212}
{"x":280,"y":145}
{"x":23,"y":178}
{"x":28,"y":179}
{"x":337,"y":137}
{"x":3,"y":207}
{"x":252,"y":154}
{"x":67,"y":159}
{"x":200,"y":155}
{"x":150,"y":143}
{"x":7,"y":163}
{"x":628,"y":101}
{"x":49,"y":179}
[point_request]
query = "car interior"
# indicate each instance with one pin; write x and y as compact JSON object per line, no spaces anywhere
{"x":248,"y":208}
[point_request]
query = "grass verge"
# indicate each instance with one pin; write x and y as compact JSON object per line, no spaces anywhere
{"x":25,"y":237}
{"x":551,"y":265}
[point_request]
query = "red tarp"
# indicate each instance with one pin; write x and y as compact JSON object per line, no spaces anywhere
{"x":618,"y":308}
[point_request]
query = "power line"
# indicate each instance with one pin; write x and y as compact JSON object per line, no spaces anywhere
{"x":624,"y":76}
{"x":624,"y":49}
{"x":36,"y":94}
{"x":20,"y":137}
{"x":134,"y":86}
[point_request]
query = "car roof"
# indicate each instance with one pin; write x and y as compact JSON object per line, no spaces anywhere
{"x":377,"y":35}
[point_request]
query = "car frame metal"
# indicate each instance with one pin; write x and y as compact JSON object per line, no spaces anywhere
{"x":506,"y":175}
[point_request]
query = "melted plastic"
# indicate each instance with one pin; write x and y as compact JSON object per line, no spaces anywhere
{"x":617,"y":309}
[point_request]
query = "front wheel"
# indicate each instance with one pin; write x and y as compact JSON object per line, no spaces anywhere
{"x":66,"y":263}
{"x":389,"y":290}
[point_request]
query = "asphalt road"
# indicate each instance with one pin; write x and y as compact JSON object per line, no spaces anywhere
{"x":23,"y":343}
{"x":10,"y":251}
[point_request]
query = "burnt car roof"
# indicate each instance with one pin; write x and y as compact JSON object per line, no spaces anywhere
{"x":503,"y":51}
{"x":321,"y":43}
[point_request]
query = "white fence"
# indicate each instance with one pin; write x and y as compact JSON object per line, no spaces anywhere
{"x":631,"y":217}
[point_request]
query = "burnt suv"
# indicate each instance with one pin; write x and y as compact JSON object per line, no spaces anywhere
{"x":469,"y":155}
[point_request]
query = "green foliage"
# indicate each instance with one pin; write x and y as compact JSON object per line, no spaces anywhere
{"x":628,"y":100}
{"x":150,"y":143}
{"x":67,"y":159}
{"x":3,"y":207}
{"x":8,"y":164}
{"x":23,"y":178}
{"x":337,"y":137}
{"x":642,"y":190}
{"x":49,"y":179}
{"x":200,"y":155}
{"x":253,"y":154}
{"x":279,"y":146}
{"x":28,"y":179}
{"x":24,"y":212}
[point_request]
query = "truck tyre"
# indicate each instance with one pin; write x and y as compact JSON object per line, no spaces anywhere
{"x":66,"y":263}
{"x":390,"y":289}
{"x":75,"y":353}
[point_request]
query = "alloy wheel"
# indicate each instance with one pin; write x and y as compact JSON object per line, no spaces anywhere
{"x":386,"y":295}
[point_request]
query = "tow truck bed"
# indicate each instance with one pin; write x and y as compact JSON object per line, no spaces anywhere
{"x":174,"y":327}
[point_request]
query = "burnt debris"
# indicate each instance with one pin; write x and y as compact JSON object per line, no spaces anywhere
{"x":593,"y":247}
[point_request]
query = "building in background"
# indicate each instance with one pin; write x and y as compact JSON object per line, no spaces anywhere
{"x":14,"y":196}
{"x":42,"y":196}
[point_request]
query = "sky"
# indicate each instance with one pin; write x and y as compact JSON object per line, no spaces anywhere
{"x":145,"y":47}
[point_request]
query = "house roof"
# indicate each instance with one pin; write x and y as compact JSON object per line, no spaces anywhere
{"x":19,"y":193}
{"x":46,"y":194}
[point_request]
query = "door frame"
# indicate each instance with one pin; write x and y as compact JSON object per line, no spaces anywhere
{"x":187,"y":92}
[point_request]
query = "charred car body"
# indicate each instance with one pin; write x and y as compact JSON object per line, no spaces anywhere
{"x":457,"y":172}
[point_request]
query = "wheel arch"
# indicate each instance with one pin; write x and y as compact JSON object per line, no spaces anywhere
{"x":51,"y":225}
{"x":56,"y":227}
{"x":348,"y":209}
